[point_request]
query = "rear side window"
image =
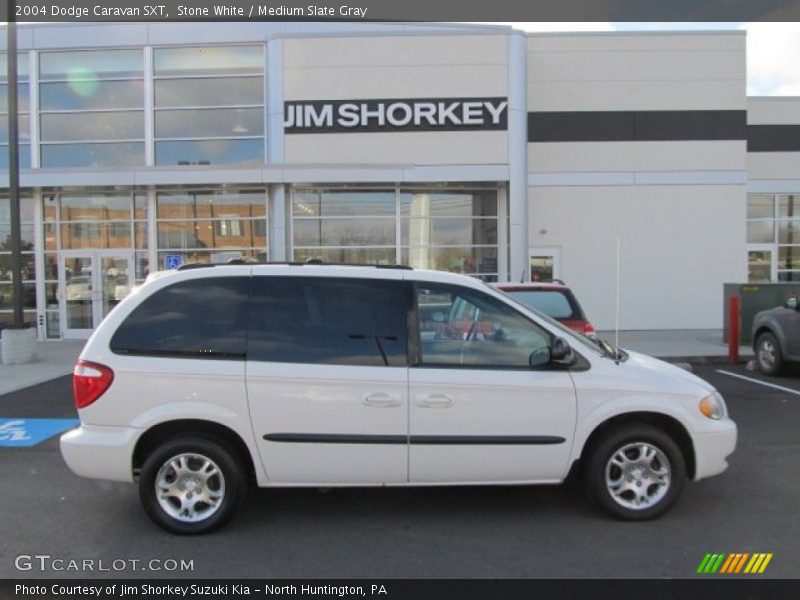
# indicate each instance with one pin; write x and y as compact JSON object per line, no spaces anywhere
{"x":553,"y":303}
{"x":199,"y":318}
{"x":321,"y":320}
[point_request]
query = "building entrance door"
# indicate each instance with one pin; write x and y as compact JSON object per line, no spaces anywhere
{"x":91,"y":283}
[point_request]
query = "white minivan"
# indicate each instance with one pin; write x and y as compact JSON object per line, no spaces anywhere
{"x":206,"y":380}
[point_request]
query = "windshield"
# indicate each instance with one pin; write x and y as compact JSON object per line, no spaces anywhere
{"x":571,"y":336}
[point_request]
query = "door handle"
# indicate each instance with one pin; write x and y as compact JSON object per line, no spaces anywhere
{"x":434,"y":400}
{"x":381,"y":400}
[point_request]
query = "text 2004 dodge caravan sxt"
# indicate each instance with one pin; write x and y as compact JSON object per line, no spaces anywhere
{"x":205,"y":380}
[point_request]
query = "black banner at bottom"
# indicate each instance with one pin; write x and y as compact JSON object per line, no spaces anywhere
{"x":718,"y":588}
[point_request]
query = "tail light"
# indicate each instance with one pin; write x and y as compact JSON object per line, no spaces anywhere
{"x":89,"y":382}
{"x":588,"y":329}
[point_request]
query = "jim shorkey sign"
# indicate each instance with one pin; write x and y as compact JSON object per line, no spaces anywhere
{"x":419,"y":114}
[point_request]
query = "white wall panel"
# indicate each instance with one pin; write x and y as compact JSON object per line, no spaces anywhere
{"x":396,"y":50}
{"x":549,"y":157}
{"x":773,"y":165}
{"x":679,"y":245}
{"x":774,"y":110}
{"x":407,"y":148}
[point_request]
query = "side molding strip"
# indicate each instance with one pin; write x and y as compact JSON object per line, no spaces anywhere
{"x":450,"y":440}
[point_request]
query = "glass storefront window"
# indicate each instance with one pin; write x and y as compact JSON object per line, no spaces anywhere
{"x":103,"y":126}
{"x":760,"y":232}
{"x":119,"y":154}
{"x":338,"y":203}
{"x":212,"y":225}
{"x":211,"y":152}
{"x":91,"y":96}
{"x":208,"y":205}
{"x":212,"y":60}
{"x":344,"y":232}
{"x":176,"y":93}
{"x":22,"y":66}
{"x":24,"y":133}
{"x":209,"y":105}
{"x":25,"y":208}
{"x":80,"y":66}
{"x":448,"y":204}
{"x":210,"y":122}
{"x":789,"y":257}
{"x":760,"y":206}
{"x":23,"y":108}
{"x":23,"y":98}
{"x":106,"y":95}
{"x":759,"y":266}
{"x":367,"y":256}
{"x":789,"y":232}
{"x":450,"y":230}
{"x":102,"y":207}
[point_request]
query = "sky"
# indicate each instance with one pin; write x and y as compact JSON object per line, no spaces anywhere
{"x":773,"y":49}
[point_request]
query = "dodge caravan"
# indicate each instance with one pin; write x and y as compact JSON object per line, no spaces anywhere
{"x":206,"y":380}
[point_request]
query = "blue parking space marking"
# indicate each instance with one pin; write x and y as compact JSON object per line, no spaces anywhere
{"x":29,"y":432}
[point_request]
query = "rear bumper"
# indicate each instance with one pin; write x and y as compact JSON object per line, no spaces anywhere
{"x":100,"y":452}
{"x":712,"y":449}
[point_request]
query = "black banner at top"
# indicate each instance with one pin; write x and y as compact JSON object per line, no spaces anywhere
{"x":407,"y":10}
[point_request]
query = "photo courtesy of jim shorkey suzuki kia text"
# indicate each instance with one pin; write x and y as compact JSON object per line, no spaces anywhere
{"x":222,"y":11}
{"x":173,"y":590}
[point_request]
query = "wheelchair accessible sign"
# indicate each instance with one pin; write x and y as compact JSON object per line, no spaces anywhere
{"x":21,"y":433}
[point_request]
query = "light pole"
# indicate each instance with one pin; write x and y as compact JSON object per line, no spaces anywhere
{"x":13,"y":178}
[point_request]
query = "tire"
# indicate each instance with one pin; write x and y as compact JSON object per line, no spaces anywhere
{"x":635,"y":472}
{"x":192,"y":502}
{"x":768,"y":354}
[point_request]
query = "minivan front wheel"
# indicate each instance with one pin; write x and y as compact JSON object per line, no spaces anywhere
{"x":636,"y":472}
{"x":191,"y":485}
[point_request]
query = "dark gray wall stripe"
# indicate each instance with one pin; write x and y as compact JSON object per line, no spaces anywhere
{"x":637,"y":126}
{"x":773,"y":138}
{"x":450,"y":440}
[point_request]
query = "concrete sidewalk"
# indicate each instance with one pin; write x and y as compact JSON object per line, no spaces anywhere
{"x":679,"y":346}
{"x":55,"y":360}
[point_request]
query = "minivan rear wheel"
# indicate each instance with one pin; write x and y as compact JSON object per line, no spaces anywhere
{"x":636,"y":472}
{"x":191,"y":485}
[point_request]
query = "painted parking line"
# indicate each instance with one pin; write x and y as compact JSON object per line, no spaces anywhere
{"x":29,"y":432}
{"x":759,"y":382}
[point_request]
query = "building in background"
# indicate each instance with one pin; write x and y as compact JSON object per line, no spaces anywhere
{"x":475,"y":149}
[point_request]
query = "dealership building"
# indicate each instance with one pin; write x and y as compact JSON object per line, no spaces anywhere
{"x":467,"y":148}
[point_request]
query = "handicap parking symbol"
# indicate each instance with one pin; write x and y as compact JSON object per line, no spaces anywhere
{"x":29,"y":432}
{"x":172,"y":261}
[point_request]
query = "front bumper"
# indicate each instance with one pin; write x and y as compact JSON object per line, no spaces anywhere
{"x":100,"y":452}
{"x":712,"y":449}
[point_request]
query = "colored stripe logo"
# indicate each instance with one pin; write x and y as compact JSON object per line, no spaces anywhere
{"x":734,"y":563}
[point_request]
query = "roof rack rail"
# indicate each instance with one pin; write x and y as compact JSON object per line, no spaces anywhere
{"x":311,"y":263}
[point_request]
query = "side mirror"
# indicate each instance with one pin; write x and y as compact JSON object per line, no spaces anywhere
{"x":791,"y":302}
{"x":438,"y":317}
{"x":561,"y":353}
{"x":540,"y":358}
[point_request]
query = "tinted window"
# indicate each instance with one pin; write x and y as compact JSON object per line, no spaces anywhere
{"x":328,"y":321}
{"x":200,"y":318}
{"x":553,"y":303}
{"x":464,"y":327}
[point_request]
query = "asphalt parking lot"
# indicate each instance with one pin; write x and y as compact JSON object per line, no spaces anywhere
{"x":500,"y":532}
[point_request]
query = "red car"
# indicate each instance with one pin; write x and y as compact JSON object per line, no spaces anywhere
{"x":552,"y":298}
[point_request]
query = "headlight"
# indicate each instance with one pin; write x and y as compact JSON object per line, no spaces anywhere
{"x":713,"y":406}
